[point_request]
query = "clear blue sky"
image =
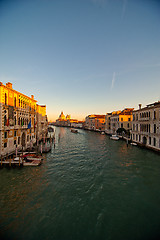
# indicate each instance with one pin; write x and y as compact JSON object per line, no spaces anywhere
{"x":82,"y":56}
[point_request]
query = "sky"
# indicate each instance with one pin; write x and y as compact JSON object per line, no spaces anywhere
{"x":82,"y":56}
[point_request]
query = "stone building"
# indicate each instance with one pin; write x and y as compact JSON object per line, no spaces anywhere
{"x":95,"y":122}
{"x":146,"y":126}
{"x":20,"y":119}
{"x":118,"y":120}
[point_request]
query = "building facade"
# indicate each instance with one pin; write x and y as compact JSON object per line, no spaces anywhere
{"x":118,"y":121}
{"x":95,"y":122}
{"x":19,"y":120}
{"x":146,"y":126}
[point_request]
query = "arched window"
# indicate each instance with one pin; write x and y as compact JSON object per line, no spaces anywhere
{"x":15,"y":121}
{"x":15,"y":100}
{"x":5,"y":99}
{"x":19,"y":121}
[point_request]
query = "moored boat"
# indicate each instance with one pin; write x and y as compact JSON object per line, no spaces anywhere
{"x":74,"y":130}
{"x":114,"y":137}
{"x":134,"y":144}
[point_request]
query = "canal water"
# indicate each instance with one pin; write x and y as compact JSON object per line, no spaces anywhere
{"x":89,"y":187}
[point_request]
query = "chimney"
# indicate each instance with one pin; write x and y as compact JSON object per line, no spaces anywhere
{"x":140,"y":105}
{"x":32,"y":96}
{"x":9,"y":85}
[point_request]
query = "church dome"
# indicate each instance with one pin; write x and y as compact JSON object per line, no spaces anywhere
{"x":62,"y":116}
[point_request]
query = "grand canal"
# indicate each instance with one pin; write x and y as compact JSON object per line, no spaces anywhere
{"x":89,"y":187}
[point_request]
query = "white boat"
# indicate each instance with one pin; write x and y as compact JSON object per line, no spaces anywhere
{"x":102,"y":133}
{"x":114,"y":137}
{"x":134,"y":144}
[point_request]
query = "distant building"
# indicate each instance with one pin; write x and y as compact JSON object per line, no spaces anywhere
{"x":146,"y":126}
{"x":68,"y":122}
{"x":22,"y":120}
{"x":95,"y":122}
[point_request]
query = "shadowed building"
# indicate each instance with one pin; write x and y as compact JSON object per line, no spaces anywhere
{"x":146,"y":126}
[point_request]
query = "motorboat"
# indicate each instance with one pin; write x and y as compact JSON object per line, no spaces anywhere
{"x":102,"y":133}
{"x":74,"y":130}
{"x":133,"y":143}
{"x":114,"y":137}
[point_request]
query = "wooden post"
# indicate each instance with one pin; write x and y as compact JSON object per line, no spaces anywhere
{"x":16,"y":150}
{"x":19,"y":160}
{"x":10,"y":161}
{"x":1,"y":160}
{"x":22,"y":154}
{"x":41,"y":148}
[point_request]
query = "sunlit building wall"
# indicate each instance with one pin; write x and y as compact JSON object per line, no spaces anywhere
{"x":121,"y":119}
{"x":18,"y":119}
{"x":95,"y":122}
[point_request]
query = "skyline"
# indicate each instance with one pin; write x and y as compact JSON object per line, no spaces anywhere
{"x":82,"y":57}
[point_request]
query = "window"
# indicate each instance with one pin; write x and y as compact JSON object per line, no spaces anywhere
{"x":121,"y":119}
{"x":139,"y":138}
{"x":14,"y":142}
{"x":154,"y":114}
{"x":15,"y":121}
{"x":154,"y":128}
{"x":5,"y":145}
{"x":28,"y":138}
{"x":149,"y":140}
{"x":15,"y":133}
{"x":154,"y":141}
{"x":133,"y":136}
{"x":5,"y":99}
{"x":129,"y":119}
{"x":121,"y":125}
{"x":136,"y":137}
{"x":19,"y":140}
{"x":15,"y":101}
{"x":5,"y":135}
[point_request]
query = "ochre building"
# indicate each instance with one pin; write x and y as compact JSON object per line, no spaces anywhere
{"x":22,"y":120}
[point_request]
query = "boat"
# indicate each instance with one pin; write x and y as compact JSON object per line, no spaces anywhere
{"x":74,"y":130}
{"x":102,"y":133}
{"x":134,"y":144}
{"x":114,"y":137}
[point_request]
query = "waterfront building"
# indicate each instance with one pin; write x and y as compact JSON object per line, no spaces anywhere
{"x":20,"y":119}
{"x":120,"y":121}
{"x":108,"y":123}
{"x":146,"y":126}
{"x":95,"y":122}
{"x":42,"y":122}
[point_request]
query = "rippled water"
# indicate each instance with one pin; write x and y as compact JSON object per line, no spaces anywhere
{"x":88,"y":187}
